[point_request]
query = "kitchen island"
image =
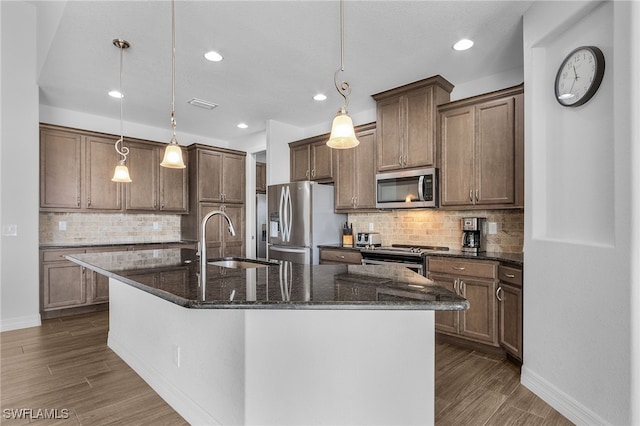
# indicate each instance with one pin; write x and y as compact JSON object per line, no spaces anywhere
{"x":279,"y":344}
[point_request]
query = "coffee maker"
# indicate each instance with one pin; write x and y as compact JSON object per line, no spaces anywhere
{"x":473,"y":234}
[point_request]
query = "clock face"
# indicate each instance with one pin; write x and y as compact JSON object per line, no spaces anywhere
{"x":579,"y":76}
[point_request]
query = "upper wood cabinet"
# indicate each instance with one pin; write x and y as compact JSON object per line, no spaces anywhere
{"x":482,"y":151}
{"x":60,"y":169}
{"x":355,"y":187}
{"x":216,"y":182}
{"x":76,"y":168}
{"x":406,"y":118}
{"x":311,"y":159}
{"x":154,"y":188}
{"x":261,"y":178}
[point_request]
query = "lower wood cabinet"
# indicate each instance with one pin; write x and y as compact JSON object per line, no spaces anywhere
{"x":67,"y":288}
{"x":329,"y":256}
{"x":509,"y":296}
{"x":477,"y":282}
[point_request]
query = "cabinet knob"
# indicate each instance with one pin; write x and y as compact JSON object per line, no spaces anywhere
{"x":471,"y":195}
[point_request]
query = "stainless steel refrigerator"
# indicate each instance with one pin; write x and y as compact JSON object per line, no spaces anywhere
{"x":301,"y":217}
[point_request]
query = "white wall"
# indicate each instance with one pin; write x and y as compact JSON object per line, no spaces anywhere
{"x":19,"y":163}
{"x":278,"y":137}
{"x":577,"y":310}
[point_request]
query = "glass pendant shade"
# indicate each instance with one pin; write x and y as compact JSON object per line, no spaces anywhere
{"x":173,"y":157}
{"x":121,"y":174}
{"x":342,"y":134}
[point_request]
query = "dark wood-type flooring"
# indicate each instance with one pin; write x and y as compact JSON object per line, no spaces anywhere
{"x":66,"y":365}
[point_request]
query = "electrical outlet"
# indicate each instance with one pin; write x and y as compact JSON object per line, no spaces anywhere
{"x":10,"y":230}
{"x":175,"y":349}
{"x":493,"y":228}
{"x":370,"y":226}
{"x":156,"y":226}
{"x":62,"y":225}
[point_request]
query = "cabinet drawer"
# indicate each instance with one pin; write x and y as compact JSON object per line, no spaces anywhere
{"x":58,"y":255}
{"x":341,"y":256}
{"x":510,"y":275}
{"x":471,"y":268}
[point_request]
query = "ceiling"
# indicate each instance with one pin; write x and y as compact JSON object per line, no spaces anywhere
{"x":277,"y":55}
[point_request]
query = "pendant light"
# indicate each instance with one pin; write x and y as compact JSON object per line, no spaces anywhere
{"x":173,"y":153}
{"x":121,"y":173}
{"x":342,"y":134}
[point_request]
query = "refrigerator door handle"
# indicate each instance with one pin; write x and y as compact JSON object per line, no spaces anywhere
{"x":287,"y":250}
{"x":289,"y":215}
{"x":281,"y":212}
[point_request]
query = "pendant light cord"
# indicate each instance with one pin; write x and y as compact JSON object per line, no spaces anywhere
{"x":121,"y":149}
{"x":344,"y":89}
{"x":173,"y":71}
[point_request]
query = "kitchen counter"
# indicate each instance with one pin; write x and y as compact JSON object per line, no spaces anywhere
{"x":516,"y":259}
{"x":124,"y":246}
{"x":286,"y":286}
{"x":285,"y":344}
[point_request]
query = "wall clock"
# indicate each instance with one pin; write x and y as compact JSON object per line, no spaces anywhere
{"x":579,"y":76}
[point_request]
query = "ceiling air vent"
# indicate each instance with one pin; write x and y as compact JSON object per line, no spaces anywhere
{"x":202,"y":104}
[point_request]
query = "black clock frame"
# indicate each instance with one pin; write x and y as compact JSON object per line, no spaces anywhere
{"x":597,"y":79}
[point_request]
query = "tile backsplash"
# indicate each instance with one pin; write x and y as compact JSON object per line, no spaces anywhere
{"x":442,"y":227}
{"x":107,"y":228}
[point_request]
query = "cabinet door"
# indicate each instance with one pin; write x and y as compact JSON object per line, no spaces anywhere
{"x":63,"y":285}
{"x":213,"y":228}
{"x":495,"y":152}
{"x":457,"y":133}
{"x":99,"y":288}
{"x":60,"y":169}
{"x":321,"y":161}
{"x":233,"y":178}
{"x":511,"y":319}
{"x":390,"y":134}
{"x":141,"y":192}
{"x":233,"y":245}
{"x":420,"y":129}
{"x":345,"y":183}
{"x":299,"y":159}
{"x":479,"y":322}
{"x":261,"y":178}
{"x":209,"y":175}
{"x":446,"y":321}
{"x":101,"y":159}
{"x":365,"y":170}
{"x":173,"y":190}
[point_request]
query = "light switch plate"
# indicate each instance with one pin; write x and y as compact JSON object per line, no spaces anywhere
{"x":9,"y":230}
{"x":493,"y":228}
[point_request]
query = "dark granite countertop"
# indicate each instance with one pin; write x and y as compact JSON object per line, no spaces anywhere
{"x":125,"y":244}
{"x":516,"y":259}
{"x":173,"y":275}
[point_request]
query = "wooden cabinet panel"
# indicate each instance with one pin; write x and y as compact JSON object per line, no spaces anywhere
{"x":479,"y":322}
{"x":337,"y":256}
{"x":406,"y":122}
{"x":311,"y":159}
{"x":63,"y":285}
{"x":481,"y":147}
{"x":495,"y":152}
{"x":233,"y":178}
{"x":174,"y":190}
{"x":355,"y":173}
{"x":261,"y":177}
{"x":511,"y":319}
{"x":143,"y":163}
{"x":60,"y":169}
{"x":219,"y":241}
{"x":101,"y":158}
{"x":457,"y":156}
{"x":476,"y":281}
{"x":209,"y":175}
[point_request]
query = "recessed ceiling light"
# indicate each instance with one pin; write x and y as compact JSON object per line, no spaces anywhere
{"x":320,"y":97}
{"x":242,"y":125}
{"x":201,"y":103}
{"x":116,"y":94}
{"x":213,"y":56}
{"x":463,"y":44}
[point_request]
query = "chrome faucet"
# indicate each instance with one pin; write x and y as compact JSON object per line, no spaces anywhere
{"x":203,"y":244}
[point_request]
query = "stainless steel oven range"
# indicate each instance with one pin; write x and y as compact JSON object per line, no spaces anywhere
{"x":410,"y":256}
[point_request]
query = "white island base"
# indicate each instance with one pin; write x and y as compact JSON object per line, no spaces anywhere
{"x":278,"y":367}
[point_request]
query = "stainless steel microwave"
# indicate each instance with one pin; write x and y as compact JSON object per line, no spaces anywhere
{"x":407,"y":189}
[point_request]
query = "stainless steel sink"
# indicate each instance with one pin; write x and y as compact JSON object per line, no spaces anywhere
{"x":239,"y":263}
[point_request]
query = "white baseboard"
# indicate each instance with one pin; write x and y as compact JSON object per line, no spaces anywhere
{"x":17,"y":323}
{"x":185,"y":406}
{"x":563,"y":403}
